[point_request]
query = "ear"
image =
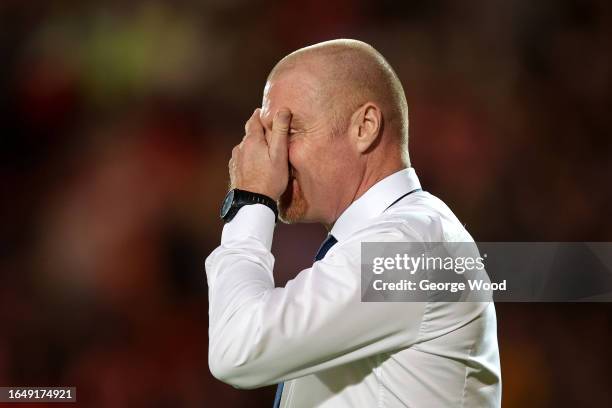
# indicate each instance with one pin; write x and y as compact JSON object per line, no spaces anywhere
{"x":366,"y":126}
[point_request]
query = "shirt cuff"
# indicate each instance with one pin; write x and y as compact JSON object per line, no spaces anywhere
{"x":254,"y":220}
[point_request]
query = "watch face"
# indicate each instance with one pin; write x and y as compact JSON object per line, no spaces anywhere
{"x":227,"y":203}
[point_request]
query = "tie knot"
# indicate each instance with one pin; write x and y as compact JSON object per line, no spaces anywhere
{"x":329,"y":242}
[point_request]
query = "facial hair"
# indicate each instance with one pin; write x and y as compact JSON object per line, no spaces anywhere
{"x":292,"y":204}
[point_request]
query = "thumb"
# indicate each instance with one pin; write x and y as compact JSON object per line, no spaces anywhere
{"x":280,"y":131}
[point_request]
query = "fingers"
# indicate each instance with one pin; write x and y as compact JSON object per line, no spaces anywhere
{"x":231,"y":164}
{"x":280,"y":131}
{"x":253,"y":127}
{"x":258,"y":164}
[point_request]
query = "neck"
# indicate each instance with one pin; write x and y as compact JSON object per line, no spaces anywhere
{"x":367,"y":180}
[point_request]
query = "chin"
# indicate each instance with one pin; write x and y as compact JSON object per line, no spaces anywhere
{"x":292,"y":206}
{"x":293,"y":215}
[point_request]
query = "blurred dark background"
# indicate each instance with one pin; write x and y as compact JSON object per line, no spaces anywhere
{"x":118,"y":120}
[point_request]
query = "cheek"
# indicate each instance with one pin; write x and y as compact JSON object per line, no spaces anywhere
{"x":309,"y":157}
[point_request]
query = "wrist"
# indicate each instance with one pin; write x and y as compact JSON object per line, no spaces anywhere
{"x":238,"y":198}
{"x":258,"y":189}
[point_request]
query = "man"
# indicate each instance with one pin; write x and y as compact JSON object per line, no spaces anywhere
{"x":329,"y":145}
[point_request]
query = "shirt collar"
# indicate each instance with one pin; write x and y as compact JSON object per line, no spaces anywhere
{"x":374,"y":202}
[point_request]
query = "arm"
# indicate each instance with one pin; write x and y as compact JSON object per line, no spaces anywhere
{"x":260,"y":335}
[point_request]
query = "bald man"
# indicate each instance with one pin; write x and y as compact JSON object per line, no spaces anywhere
{"x":329,"y":145}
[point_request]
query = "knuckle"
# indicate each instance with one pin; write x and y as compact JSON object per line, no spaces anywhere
{"x":247,"y":140}
{"x":281,"y":126}
{"x":248,"y":125}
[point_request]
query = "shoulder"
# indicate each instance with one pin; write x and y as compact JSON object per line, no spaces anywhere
{"x":422,"y":217}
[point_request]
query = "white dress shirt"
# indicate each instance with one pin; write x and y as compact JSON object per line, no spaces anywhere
{"x":332,"y":349}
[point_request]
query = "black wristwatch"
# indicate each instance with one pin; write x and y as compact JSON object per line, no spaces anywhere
{"x":236,"y":199}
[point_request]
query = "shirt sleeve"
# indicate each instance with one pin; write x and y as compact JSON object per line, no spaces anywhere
{"x":261,"y":335}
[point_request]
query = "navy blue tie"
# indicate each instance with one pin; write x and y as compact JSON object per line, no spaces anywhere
{"x":329,"y":242}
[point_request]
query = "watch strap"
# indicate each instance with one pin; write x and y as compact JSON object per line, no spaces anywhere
{"x":243,"y":197}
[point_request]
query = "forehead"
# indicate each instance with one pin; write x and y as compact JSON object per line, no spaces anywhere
{"x":296,"y":90}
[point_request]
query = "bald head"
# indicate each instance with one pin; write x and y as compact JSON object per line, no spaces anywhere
{"x":348,"y":130}
{"x":350,"y":73}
